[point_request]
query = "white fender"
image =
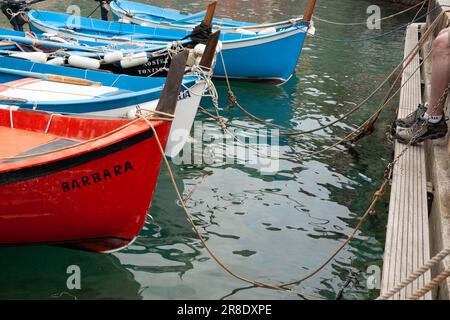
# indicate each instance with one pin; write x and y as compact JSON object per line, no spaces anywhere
{"x":191,"y":58}
{"x":244,"y":31}
{"x":311,"y":29}
{"x":40,"y":57}
{"x":199,"y":49}
{"x":84,"y":62}
{"x":269,"y":30}
{"x":58,"y":61}
{"x":113,"y":57}
{"x":219,"y":46}
{"x":58,"y":39}
{"x":124,"y":20}
{"x":134,"y":60}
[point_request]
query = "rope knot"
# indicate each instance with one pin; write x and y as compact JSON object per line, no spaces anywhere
{"x":232,"y":98}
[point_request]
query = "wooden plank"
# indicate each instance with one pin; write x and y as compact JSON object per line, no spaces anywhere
{"x":407,"y":238}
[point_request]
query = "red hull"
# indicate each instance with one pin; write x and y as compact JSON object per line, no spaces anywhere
{"x":93,"y":197}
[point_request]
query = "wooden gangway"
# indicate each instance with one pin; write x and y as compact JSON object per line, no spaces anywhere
{"x":407,"y":239}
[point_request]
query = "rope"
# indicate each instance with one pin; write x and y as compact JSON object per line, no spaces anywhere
{"x":420,"y":10}
{"x":370,"y":211}
{"x":378,"y":20}
{"x":202,"y":239}
{"x":381,"y":191}
{"x":416,"y":275}
{"x":409,"y":58}
{"x":398,"y":29}
{"x":95,"y":10}
{"x":368,"y":124}
{"x":431,"y":285}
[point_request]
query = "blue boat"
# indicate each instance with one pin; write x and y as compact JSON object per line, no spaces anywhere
{"x":153,"y":16}
{"x":28,"y":85}
{"x":149,"y":60}
{"x":270,"y":55}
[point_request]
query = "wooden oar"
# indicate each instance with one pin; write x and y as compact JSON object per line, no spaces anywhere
{"x":6,"y":44}
{"x":50,"y":77}
{"x":210,"y":13}
{"x":169,"y":97}
{"x":210,"y":51}
{"x":309,"y":10}
{"x":12,"y":99}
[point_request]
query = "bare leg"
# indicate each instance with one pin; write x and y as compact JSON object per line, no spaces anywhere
{"x":441,"y":72}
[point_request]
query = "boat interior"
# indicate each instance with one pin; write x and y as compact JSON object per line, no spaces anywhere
{"x":22,"y":135}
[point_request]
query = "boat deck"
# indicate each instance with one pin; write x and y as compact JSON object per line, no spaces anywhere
{"x":9,"y":137}
{"x":30,"y":142}
{"x":407,"y":239}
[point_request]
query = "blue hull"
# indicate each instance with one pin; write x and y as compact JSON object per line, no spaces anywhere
{"x":265,"y":62}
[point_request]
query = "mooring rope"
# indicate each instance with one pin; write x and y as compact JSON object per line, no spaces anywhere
{"x":382,"y":35}
{"x":360,"y":128}
{"x":203,"y":241}
{"x":377,"y":20}
{"x":377,"y":196}
{"x":356,"y":133}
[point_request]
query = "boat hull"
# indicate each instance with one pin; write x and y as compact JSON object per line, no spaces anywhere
{"x":270,"y":59}
{"x":259,"y":57}
{"x":97,"y":201}
{"x":152,"y":16}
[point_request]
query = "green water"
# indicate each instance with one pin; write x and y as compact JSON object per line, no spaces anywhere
{"x":271,"y":228}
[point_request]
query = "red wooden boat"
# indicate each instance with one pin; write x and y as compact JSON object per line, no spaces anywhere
{"x":79,"y":182}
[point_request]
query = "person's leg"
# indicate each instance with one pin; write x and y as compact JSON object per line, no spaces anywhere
{"x":440,"y":77}
{"x":429,"y":122}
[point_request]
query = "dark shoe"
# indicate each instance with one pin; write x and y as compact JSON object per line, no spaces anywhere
{"x":411,"y":119}
{"x":422,"y":130}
